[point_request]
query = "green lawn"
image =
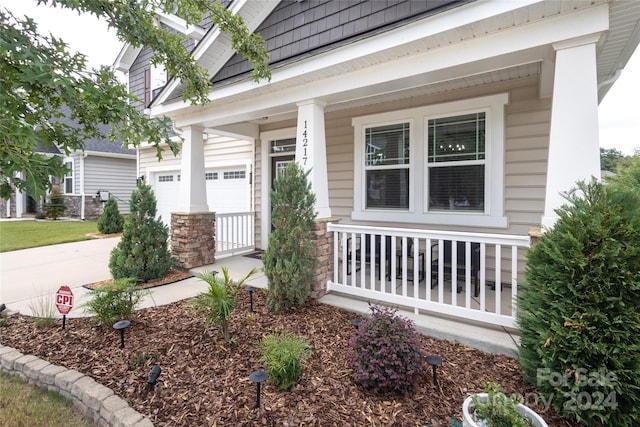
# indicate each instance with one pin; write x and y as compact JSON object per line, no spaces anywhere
{"x":26,"y":405}
{"x":16,"y":235}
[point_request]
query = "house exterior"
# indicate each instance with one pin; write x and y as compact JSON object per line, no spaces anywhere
{"x":100,"y":167}
{"x":427,"y":122}
{"x":228,"y":158}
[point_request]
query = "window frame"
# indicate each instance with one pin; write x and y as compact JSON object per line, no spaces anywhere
{"x":68,"y":176}
{"x":493,"y":215}
{"x":390,"y":167}
{"x":455,"y":163}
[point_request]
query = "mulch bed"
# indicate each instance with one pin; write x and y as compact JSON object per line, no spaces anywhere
{"x":172,"y":276}
{"x":205,"y":381}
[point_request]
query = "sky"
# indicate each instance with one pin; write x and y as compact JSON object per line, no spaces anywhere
{"x":619,"y":111}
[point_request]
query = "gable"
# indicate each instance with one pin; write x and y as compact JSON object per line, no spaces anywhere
{"x":299,"y":29}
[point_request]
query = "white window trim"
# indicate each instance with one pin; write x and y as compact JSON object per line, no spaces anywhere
{"x":72,"y":176}
{"x":493,"y":216}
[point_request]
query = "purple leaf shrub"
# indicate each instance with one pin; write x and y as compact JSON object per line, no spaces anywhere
{"x":387,"y":357}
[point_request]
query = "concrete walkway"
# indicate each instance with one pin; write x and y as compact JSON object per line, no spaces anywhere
{"x":29,"y":278}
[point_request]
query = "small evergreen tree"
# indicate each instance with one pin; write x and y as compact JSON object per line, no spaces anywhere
{"x":289,"y":263}
{"x":578,"y":310}
{"x":110,"y":221}
{"x":55,"y":208}
{"x":142,"y":252}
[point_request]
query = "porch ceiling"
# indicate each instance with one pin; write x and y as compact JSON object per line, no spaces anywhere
{"x":416,"y":90}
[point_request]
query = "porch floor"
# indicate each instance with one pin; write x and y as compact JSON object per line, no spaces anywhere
{"x":478,"y":335}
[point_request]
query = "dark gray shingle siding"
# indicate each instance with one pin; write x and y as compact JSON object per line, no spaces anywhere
{"x":295,"y":29}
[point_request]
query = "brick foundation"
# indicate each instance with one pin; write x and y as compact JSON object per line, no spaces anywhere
{"x":323,"y":250}
{"x":193,"y":241}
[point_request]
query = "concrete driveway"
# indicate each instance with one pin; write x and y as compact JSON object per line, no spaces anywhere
{"x":30,"y":277}
{"x":34,"y":273}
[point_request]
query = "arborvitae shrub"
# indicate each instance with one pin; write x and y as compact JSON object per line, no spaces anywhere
{"x":55,"y":208}
{"x":579,"y":310}
{"x":289,"y":262}
{"x":143,"y":252}
{"x":387,"y":357}
{"x":110,"y":220}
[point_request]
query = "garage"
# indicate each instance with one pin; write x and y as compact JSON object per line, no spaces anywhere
{"x":228,"y":190}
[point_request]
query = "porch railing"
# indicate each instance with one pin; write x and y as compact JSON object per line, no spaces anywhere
{"x":235,"y":233}
{"x":468,"y":275}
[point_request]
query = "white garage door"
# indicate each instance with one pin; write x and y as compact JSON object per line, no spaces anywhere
{"x":228,"y":190}
{"x":166,"y":186}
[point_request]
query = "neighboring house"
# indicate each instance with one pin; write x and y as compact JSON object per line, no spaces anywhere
{"x":100,"y":167}
{"x":20,"y":203}
{"x":428,"y":122}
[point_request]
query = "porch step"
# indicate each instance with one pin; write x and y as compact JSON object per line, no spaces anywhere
{"x":487,"y":338}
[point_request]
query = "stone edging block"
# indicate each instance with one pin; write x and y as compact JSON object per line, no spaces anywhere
{"x":95,"y":401}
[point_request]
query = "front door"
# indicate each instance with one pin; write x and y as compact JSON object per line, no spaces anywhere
{"x":279,"y":168}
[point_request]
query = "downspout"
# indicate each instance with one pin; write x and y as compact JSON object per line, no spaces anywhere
{"x":82,"y":195}
{"x":20,"y":199}
{"x":8,"y":205}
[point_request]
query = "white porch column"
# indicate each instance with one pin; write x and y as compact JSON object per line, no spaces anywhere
{"x":311,"y":151}
{"x":574,"y":152}
{"x":193,"y":194}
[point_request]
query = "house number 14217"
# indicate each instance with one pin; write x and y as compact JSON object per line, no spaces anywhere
{"x":305,"y":144}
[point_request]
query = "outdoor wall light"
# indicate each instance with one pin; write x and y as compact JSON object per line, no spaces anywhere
{"x":104,"y":195}
{"x":434,"y":361}
{"x":258,"y":377}
{"x":250,"y":289}
{"x":121,"y":326}
{"x":153,"y":377}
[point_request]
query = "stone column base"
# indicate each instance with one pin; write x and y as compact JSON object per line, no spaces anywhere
{"x":323,"y":250}
{"x":193,"y":241}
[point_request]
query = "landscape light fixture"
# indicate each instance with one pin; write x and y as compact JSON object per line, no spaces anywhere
{"x":250,"y":289}
{"x":258,"y":377}
{"x":121,"y":326}
{"x":3,"y":307}
{"x":434,"y":361}
{"x":153,"y":377}
{"x":355,"y":323}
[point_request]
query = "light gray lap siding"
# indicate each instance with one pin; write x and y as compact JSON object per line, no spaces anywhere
{"x":116,"y":175}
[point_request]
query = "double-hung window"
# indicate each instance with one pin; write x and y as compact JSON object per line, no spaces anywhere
{"x":438,"y":164}
{"x":387,"y":166}
{"x":456,"y":162}
{"x":68,"y":177}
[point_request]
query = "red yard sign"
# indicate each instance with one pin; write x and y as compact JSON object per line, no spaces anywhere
{"x":64,"y":300}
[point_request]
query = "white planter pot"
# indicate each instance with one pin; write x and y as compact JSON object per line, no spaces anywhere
{"x":468,"y":419}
